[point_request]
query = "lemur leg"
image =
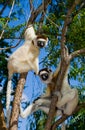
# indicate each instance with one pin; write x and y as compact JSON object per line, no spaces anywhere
{"x":71,"y":105}
{"x":44,"y":105}
{"x":66,"y":98}
{"x":44,"y":108}
{"x":58,"y":112}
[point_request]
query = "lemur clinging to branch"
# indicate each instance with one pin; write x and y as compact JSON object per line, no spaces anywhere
{"x":24,"y":59}
{"x":67,"y":98}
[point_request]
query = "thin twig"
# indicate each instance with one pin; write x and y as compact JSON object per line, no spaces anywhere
{"x":37,"y":11}
{"x":1,"y":11}
{"x":31,"y":11}
{"x":51,"y":21}
{"x":31,"y":5}
{"x":77,"y":53}
{"x":48,"y":17}
{"x":65,"y":27}
{"x":11,"y":46}
{"x":46,"y":57}
{"x":7,"y":19}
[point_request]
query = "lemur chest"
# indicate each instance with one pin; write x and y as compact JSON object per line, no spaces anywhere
{"x":33,"y":53}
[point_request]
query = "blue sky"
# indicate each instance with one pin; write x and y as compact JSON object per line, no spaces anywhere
{"x":34,"y":87}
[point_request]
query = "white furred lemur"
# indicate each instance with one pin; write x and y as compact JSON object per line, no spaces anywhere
{"x":67,"y":98}
{"x":24,"y":59}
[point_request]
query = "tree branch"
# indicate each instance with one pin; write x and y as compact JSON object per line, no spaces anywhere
{"x":31,"y":5}
{"x":6,"y":3}
{"x":36,"y":12}
{"x":11,"y":46}
{"x":19,"y":89}
{"x":51,"y":21}
{"x":65,"y":61}
{"x":16,"y":104}
{"x":65,"y":27}
{"x":2,"y":119}
{"x":77,"y":53}
{"x":64,"y":117}
{"x":58,"y":80}
{"x":8,"y":19}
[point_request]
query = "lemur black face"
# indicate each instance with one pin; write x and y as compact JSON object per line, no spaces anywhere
{"x":40,"y":44}
{"x":44,"y":76}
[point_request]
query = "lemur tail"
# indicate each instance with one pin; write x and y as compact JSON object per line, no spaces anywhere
{"x":8,"y":99}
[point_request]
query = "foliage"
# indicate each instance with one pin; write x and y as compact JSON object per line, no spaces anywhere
{"x":40,"y":120}
{"x":75,"y":41}
{"x":53,"y":29}
{"x":13,"y":30}
{"x":76,"y":32}
{"x":77,"y":121}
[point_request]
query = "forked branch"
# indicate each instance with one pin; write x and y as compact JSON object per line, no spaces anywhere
{"x":77,"y":53}
{"x":65,"y":61}
{"x":64,"y":117}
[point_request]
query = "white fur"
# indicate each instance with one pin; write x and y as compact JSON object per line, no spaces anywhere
{"x":8,"y":95}
{"x":28,"y":111}
{"x":30,"y":33}
{"x":67,"y":101}
{"x":24,"y":59}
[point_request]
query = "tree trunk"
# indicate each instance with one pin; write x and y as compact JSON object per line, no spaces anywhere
{"x":2,"y":120}
{"x":16,"y":104}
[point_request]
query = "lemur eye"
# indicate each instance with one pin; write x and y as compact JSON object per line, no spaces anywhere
{"x":41,"y":44}
{"x":44,"y":76}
